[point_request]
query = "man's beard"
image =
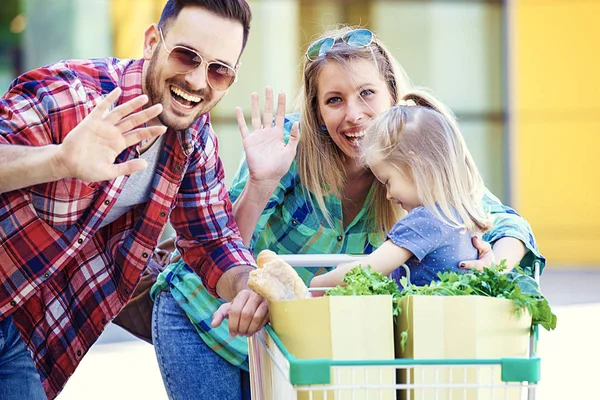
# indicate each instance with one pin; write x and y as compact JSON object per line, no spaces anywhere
{"x":152,"y":83}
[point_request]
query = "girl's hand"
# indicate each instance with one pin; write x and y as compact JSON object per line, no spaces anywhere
{"x":485,"y":256}
{"x":268,"y":156}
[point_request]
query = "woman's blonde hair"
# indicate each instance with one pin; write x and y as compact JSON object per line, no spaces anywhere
{"x":423,"y":141}
{"x":320,"y":162}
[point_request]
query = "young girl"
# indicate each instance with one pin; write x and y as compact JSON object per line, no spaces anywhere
{"x":416,"y":150}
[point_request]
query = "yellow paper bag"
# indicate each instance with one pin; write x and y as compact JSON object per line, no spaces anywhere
{"x":469,"y":327}
{"x":340,"y":328}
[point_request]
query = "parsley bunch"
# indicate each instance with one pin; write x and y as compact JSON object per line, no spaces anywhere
{"x":366,"y":282}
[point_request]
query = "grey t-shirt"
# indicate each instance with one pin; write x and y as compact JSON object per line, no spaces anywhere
{"x":436,"y":246}
{"x":138,"y":186}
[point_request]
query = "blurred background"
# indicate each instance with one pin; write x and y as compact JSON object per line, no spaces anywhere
{"x":521,"y":76}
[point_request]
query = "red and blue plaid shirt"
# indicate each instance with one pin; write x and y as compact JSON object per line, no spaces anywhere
{"x":61,"y":277}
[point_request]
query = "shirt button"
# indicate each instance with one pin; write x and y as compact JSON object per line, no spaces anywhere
{"x":178,"y":168}
{"x":80,"y":240}
{"x":127,"y":291}
{"x":46,"y":275}
{"x":13,"y":303}
{"x":145,"y":255}
{"x":163,"y":214}
{"x":78,"y":353}
{"x":340,"y":238}
{"x":106,"y":202}
{"x":294,"y":222}
{"x":103,"y":321}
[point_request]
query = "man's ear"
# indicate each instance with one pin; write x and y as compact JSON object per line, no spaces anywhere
{"x":151,"y":41}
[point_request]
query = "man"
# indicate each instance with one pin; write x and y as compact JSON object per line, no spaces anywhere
{"x":95,"y":156}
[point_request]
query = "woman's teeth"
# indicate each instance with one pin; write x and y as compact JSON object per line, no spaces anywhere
{"x":183,"y":98}
{"x":355,"y":135}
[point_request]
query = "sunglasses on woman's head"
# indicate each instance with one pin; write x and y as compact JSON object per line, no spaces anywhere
{"x":183,"y":60}
{"x":357,"y":38}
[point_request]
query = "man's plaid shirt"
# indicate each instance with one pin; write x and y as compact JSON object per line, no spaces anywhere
{"x":61,"y":277}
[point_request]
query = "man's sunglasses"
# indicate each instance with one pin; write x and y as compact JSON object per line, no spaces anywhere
{"x":183,"y":60}
{"x":356,"y":38}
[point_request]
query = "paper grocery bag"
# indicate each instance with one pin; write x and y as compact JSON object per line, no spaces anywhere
{"x":340,"y":328}
{"x":469,"y":327}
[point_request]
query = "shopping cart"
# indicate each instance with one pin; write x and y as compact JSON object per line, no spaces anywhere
{"x":278,"y":375}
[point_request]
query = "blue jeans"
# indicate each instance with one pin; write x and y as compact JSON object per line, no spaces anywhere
{"x":189,"y":368}
{"x":19,"y":378}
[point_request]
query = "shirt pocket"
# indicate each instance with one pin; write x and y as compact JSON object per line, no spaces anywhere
{"x":297,"y":229}
{"x":63,"y":203}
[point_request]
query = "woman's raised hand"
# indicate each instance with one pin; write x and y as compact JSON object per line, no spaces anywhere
{"x":267,"y":155}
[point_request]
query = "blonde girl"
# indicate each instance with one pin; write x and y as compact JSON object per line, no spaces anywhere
{"x":417,"y":152}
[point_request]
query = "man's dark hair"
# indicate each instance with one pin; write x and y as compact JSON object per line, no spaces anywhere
{"x":238,"y":10}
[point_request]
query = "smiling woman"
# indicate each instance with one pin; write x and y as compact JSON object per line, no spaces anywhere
{"x":305,"y":193}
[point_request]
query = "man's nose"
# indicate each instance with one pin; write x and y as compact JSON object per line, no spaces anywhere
{"x":198,"y":78}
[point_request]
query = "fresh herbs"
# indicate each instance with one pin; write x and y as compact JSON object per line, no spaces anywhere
{"x":365,"y":282}
{"x":492,"y":282}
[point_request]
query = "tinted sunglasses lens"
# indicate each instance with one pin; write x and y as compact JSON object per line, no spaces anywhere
{"x":183,"y":60}
{"x":358,"y":38}
{"x":319,"y":48}
{"x":220,"y":76}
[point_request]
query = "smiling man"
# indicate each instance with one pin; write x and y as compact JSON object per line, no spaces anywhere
{"x":95,"y":157}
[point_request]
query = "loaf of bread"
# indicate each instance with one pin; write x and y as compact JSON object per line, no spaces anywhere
{"x":275,"y":279}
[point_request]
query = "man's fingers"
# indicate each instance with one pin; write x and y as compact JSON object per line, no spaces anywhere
{"x":280,"y":115}
{"x":219,"y":315}
{"x":139,"y":118}
{"x":252,"y":314}
{"x":259,"y":319}
{"x":118,"y":113}
{"x":268,"y":114}
{"x":256,"y":122}
{"x":109,"y":100}
{"x":239,"y":115}
{"x":127,"y":168}
{"x":137,"y":135}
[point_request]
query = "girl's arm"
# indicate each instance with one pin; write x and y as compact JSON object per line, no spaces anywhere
{"x":385,"y":259}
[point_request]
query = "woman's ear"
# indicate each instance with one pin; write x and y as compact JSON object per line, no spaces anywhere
{"x":151,"y":41}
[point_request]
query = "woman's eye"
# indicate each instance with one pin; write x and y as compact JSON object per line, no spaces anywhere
{"x":333,"y":100}
{"x":366,"y":92}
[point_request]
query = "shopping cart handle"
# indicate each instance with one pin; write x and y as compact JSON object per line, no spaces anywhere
{"x":319,"y":260}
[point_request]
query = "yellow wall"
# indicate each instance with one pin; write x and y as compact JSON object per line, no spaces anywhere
{"x":130,"y":19}
{"x":557,"y":125}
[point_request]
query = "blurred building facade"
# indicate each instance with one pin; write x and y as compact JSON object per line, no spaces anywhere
{"x":519,"y":74}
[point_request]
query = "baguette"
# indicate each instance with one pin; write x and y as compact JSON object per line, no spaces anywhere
{"x":275,"y":279}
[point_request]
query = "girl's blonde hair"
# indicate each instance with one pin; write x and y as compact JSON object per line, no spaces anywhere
{"x":320,"y":162}
{"x":423,"y":141}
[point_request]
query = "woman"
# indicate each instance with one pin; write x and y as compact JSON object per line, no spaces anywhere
{"x":318,"y":199}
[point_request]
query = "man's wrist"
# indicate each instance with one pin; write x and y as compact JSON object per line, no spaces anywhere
{"x":59,"y":167}
{"x":233,"y":281}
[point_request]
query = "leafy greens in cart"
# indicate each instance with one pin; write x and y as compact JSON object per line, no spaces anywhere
{"x":492,"y":282}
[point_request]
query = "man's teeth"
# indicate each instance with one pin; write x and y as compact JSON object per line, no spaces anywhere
{"x":187,"y":96}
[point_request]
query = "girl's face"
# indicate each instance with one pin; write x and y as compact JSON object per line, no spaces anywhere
{"x":348,"y":98}
{"x":400,"y":188}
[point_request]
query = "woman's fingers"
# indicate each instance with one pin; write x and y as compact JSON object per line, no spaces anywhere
{"x":255,"y":113}
{"x":280,"y":115}
{"x":239,"y":114}
{"x":268,"y":114}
